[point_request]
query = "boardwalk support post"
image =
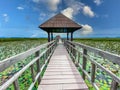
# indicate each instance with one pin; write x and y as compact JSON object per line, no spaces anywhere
{"x":67,"y":36}
{"x":78,"y":60}
{"x":16,"y":86}
{"x":114,"y":85}
{"x":48,"y":36}
{"x":93,"y":73}
{"x":51,"y":36}
{"x":32,"y":73}
{"x":84,"y":62}
{"x":38,"y":65}
{"x":71,"y":36}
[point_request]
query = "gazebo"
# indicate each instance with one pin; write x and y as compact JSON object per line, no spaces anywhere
{"x":60,"y":24}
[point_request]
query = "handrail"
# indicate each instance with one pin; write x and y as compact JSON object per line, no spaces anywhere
{"x":110,"y":56}
{"x":12,"y":60}
{"x":73,"y":49}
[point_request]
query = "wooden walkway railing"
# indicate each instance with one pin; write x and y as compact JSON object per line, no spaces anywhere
{"x":78,"y":50}
{"x":46,"y":54}
{"x":61,"y":73}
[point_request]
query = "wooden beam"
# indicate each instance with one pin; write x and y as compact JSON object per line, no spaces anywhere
{"x":71,"y":36}
{"x":51,"y":36}
{"x":67,"y":36}
{"x":48,"y":36}
{"x":114,"y":85}
{"x":16,"y":85}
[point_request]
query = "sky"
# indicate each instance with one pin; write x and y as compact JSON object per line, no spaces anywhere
{"x":21,"y":18}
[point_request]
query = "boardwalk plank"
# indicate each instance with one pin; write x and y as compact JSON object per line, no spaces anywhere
{"x":61,"y":73}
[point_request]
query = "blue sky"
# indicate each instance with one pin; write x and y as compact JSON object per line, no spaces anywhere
{"x":21,"y":18}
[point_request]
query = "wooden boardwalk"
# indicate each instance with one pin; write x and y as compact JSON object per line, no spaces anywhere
{"x":61,"y":73}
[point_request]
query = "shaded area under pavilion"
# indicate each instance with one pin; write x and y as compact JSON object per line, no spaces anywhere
{"x":60,"y":24}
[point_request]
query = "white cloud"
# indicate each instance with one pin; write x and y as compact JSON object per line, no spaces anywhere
{"x":5,"y":17}
{"x":68,"y":12}
{"x":35,"y":35}
{"x":75,"y":5}
{"x":50,"y":4}
{"x":42,"y":16}
{"x":73,"y":8}
{"x":97,"y":2}
{"x":86,"y":29}
{"x":20,"y":8}
{"x":53,"y":4}
{"x":88,"y":12}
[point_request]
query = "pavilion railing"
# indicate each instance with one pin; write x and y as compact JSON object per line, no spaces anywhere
{"x":83,"y":53}
{"x":43,"y":51}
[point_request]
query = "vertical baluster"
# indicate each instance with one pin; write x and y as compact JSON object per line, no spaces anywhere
{"x":74,"y":52}
{"x":114,"y":85}
{"x":78,"y":60}
{"x":84,"y":62}
{"x":47,"y":54}
{"x":32,"y":72}
{"x":44,"y":57}
{"x":93,"y":73}
{"x":69,"y":49}
{"x":50,"y":48}
{"x":38,"y":65}
{"x":16,"y":85}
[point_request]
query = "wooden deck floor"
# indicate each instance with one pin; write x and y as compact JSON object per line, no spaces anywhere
{"x":61,"y":73}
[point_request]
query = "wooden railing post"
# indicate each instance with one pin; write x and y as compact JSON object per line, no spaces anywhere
{"x":74,"y":54}
{"x":84,"y":62}
{"x":74,"y":51}
{"x":38,"y":65}
{"x":93,"y":72}
{"x":44,"y":57}
{"x":32,"y":72}
{"x":78,"y":60}
{"x":50,"y":48}
{"x":16,"y":85}
{"x":114,"y":85}
{"x":69,"y":49}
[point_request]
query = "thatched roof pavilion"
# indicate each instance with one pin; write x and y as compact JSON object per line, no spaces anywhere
{"x":60,"y":24}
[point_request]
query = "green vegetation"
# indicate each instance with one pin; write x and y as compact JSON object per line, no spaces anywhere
{"x":10,"y":47}
{"x":107,"y":44}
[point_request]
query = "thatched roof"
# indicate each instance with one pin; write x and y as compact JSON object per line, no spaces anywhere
{"x":60,"y":23}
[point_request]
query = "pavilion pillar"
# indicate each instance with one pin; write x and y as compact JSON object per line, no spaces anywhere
{"x":51,"y":36}
{"x":48,"y":36}
{"x":71,"y":36}
{"x":67,"y":36}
